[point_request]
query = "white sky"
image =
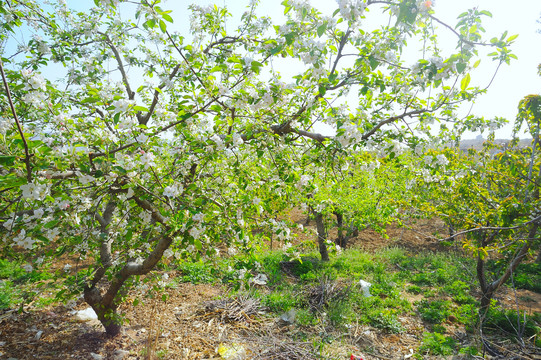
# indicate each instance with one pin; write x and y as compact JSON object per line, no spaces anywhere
{"x":512,"y":82}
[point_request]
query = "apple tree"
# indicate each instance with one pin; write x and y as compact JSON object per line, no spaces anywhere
{"x":124,"y":141}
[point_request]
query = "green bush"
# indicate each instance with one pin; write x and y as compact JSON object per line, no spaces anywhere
{"x":196,"y":273}
{"x":10,"y":270}
{"x":528,"y":276}
{"x":385,"y":320}
{"x":279,"y":302}
{"x":7,"y":294}
{"x":435,"y":311}
{"x":510,"y":322}
{"x":437,"y":344}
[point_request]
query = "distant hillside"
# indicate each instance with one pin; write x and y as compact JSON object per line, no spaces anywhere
{"x":477,"y":143}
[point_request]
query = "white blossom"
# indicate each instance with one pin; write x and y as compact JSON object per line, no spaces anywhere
{"x":237,"y":139}
{"x":146,"y":216}
{"x":86,"y":179}
{"x":442,"y":160}
{"x":34,"y":191}
{"x":173,"y":190}
{"x":168,"y":253}
{"x":35,"y":82}
{"x":121,"y":105}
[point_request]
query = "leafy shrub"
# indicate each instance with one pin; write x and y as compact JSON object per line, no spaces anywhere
{"x":511,"y":323}
{"x":437,"y":344}
{"x":414,"y":289}
{"x":7,"y":294}
{"x":340,"y":313}
{"x":196,"y":273}
{"x":435,"y":311}
{"x":279,"y":301}
{"x":386,"y":320}
{"x":306,"y":318}
{"x":10,"y":270}
{"x":528,"y":276}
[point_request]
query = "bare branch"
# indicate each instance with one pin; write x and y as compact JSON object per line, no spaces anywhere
{"x":483,"y":228}
{"x":131,"y":94}
{"x":392,"y":119}
{"x":224,"y":40}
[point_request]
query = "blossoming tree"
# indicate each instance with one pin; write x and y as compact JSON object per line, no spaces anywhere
{"x":124,"y":141}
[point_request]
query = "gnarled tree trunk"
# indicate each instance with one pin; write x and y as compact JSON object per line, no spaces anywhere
{"x":101,"y":295}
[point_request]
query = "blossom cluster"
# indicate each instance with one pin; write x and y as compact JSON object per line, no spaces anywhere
{"x":34,"y":191}
{"x":24,"y":241}
{"x":351,"y":10}
{"x":173,"y":191}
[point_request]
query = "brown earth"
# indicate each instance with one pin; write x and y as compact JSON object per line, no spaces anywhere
{"x":183,"y":328}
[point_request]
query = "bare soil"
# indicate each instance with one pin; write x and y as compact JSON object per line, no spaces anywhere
{"x":183,"y":328}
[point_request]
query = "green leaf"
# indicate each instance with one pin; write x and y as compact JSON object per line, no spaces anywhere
{"x":276,"y":50}
{"x":460,"y":67}
{"x":321,"y":29}
{"x":256,"y":66}
{"x":11,"y":180}
{"x":7,"y":160}
{"x":139,"y":108}
{"x":512,"y":37}
{"x":477,"y":63}
{"x":163,"y":27}
{"x":167,"y":18}
{"x":150,"y":24}
{"x":373,"y":62}
{"x":89,"y":100}
{"x":465,"y":82}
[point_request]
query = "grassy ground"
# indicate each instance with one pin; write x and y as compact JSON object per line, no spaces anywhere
{"x":426,"y":302}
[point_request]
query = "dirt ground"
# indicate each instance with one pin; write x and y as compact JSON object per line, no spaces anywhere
{"x":183,"y":327}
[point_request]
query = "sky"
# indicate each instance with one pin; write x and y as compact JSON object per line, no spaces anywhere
{"x":512,"y":82}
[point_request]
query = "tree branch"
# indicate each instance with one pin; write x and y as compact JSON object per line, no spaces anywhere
{"x":27,"y":154}
{"x":131,"y":94}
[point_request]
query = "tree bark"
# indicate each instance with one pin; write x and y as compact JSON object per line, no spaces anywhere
{"x":321,"y":236}
{"x":488,"y":289}
{"x":103,"y":303}
{"x":341,"y":240}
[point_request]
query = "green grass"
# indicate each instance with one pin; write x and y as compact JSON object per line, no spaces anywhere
{"x":18,"y":286}
{"x":444,"y":284}
{"x":196,"y":273}
{"x":434,"y":312}
{"x":437,"y":344}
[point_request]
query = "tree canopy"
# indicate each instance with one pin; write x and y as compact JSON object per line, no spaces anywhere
{"x":126,"y":142}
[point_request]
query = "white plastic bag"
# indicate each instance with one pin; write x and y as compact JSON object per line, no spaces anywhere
{"x":365,"y":288}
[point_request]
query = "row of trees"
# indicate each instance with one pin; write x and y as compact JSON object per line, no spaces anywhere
{"x":154,"y":144}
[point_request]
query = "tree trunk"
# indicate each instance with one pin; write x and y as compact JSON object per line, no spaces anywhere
{"x":111,"y":322}
{"x":321,"y":236}
{"x":538,"y":260}
{"x":106,"y":313}
{"x":488,"y":289}
{"x":486,"y":292}
{"x":341,"y":240}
